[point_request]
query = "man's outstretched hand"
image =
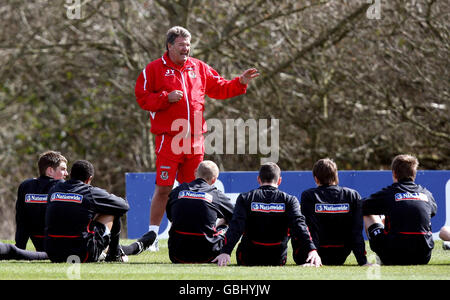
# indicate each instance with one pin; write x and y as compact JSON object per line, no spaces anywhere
{"x":248,"y":75}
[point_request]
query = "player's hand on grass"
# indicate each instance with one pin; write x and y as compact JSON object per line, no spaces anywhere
{"x":222,"y":259}
{"x":370,"y":265}
{"x":313,"y":260}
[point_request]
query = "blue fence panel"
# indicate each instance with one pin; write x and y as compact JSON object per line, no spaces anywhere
{"x":140,"y":186}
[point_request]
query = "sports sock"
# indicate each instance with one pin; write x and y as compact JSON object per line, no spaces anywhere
{"x":154,"y":228}
{"x":146,"y":241}
{"x":374,"y":230}
{"x":115,"y":236}
{"x":131,"y":249}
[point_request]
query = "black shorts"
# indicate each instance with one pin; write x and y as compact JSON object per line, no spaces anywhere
{"x":38,"y":242}
{"x":328,"y":255}
{"x":398,"y":249}
{"x":249,"y":253}
{"x":86,"y":247}
{"x":333,"y":255}
{"x":188,"y":248}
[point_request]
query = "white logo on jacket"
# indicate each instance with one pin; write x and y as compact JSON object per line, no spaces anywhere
{"x":169,"y":72}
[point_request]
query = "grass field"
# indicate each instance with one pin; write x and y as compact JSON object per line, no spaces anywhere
{"x":157,"y":266}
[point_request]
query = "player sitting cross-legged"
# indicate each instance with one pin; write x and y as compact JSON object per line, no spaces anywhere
{"x":199,"y":213}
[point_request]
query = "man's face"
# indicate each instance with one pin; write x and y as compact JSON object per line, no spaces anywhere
{"x":60,"y":172}
{"x":179,"y":50}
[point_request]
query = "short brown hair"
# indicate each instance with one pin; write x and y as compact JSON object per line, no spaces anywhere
{"x":404,"y":167}
{"x":269,"y":173}
{"x":50,"y":159}
{"x":175,"y":32}
{"x":325,"y":170}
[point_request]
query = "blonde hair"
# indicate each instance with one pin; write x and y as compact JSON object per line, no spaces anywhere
{"x":207,"y":170}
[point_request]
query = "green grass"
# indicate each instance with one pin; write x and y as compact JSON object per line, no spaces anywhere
{"x":157,"y":266}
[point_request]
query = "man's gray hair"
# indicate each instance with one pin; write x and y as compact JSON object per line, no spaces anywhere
{"x":207,"y":170}
{"x":175,"y":32}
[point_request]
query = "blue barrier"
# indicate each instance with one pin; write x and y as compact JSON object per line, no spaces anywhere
{"x":140,"y":186}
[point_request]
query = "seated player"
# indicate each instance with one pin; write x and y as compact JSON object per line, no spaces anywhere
{"x":334,"y":216}
{"x":199,"y":213}
{"x":32,"y":199}
{"x":263,"y":217}
{"x":405,"y":238}
{"x":82,"y":220}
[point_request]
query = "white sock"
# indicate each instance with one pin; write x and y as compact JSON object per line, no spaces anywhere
{"x":154,"y":228}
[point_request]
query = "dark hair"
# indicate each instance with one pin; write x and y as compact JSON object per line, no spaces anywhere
{"x":325,"y":170}
{"x":81,"y":170}
{"x":175,"y":32}
{"x":49,"y":159}
{"x":269,"y":173}
{"x":404,"y":167}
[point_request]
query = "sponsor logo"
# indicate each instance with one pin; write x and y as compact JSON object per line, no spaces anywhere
{"x":66,"y":197}
{"x":332,"y":208}
{"x":411,"y":196}
{"x":195,"y":195}
{"x":36,"y":198}
{"x":268,"y":207}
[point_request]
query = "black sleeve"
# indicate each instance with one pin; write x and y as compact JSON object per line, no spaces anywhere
{"x":358,"y":244}
{"x":225,"y":206}
{"x":376,"y":204}
{"x":297,"y":224}
{"x":433,"y":205}
{"x":108,"y":204}
{"x":22,"y":232}
{"x":307,"y":209}
{"x":237,"y":226}
{"x":172,"y":197}
{"x":307,"y":205}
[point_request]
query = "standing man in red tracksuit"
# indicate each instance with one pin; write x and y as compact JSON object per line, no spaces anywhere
{"x":173,"y":88}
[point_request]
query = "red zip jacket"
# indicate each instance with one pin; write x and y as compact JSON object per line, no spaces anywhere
{"x":196,"y":79}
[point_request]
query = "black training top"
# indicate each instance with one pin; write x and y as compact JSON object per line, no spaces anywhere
{"x":334,"y":218}
{"x":408,"y":208}
{"x":265,"y":216}
{"x":30,"y":210}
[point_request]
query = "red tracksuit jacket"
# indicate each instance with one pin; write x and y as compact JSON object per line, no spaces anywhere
{"x":196,"y":79}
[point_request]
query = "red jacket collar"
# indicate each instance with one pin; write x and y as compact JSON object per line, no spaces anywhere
{"x":168,"y":62}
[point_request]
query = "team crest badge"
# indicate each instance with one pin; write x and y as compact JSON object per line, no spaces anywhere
{"x":164,"y":175}
{"x":192,"y":74}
